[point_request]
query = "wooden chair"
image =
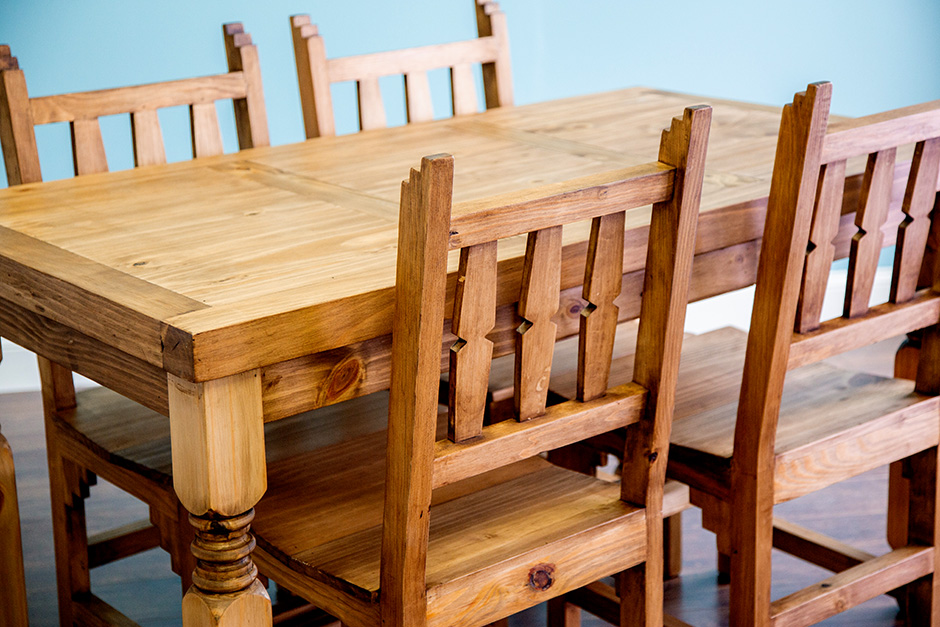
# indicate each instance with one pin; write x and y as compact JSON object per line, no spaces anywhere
{"x":13,"y":587}
{"x":765,"y":423}
{"x":475,"y":525}
{"x":75,"y":457}
{"x":315,"y":73}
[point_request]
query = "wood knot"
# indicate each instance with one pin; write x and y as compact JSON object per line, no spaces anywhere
{"x":541,"y":577}
{"x":345,"y":375}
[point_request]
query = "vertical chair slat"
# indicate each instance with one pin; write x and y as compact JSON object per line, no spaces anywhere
{"x":470,"y":357}
{"x":424,"y":222}
{"x":251,"y":119}
{"x":603,"y":277}
{"x":463,"y":89}
{"x":88,"y":147}
{"x":204,"y":122}
{"x":371,"y":109}
{"x":866,"y":244}
{"x":820,"y":253}
{"x":535,"y":339}
{"x":418,"y":97}
{"x":919,"y":198}
{"x":147,"y":138}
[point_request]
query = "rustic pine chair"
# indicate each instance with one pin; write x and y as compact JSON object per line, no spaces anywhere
{"x":86,"y":432}
{"x":13,"y":586}
{"x":799,"y":425}
{"x":315,"y":73}
{"x":476,"y":525}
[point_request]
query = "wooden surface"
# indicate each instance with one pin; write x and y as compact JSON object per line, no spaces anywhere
{"x":210,"y":288}
{"x":146,"y":589}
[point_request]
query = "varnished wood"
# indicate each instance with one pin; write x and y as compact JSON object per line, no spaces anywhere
{"x":919,"y":199}
{"x":13,"y":588}
{"x":316,"y":72}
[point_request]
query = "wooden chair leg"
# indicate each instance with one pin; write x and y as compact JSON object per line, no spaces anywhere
{"x":905,"y":367}
{"x":13,"y":586}
{"x":923,"y":595}
{"x":563,"y":614}
{"x":672,"y":546}
{"x":70,"y":536}
{"x":752,"y":537}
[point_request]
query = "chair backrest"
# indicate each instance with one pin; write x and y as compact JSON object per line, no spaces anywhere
{"x":428,"y":229}
{"x":13,"y":587}
{"x":19,"y":113}
{"x":315,"y":73}
{"x":801,"y":237}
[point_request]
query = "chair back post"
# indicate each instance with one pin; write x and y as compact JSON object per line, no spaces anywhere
{"x":420,"y":286}
{"x":251,"y":118}
{"x":313,"y":80}
{"x":497,"y":75}
{"x":17,"y":137}
{"x":13,"y":590}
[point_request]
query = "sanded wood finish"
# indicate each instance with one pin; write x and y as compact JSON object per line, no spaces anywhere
{"x":19,"y":113}
{"x":310,"y":304}
{"x":457,"y":555}
{"x":13,"y":588}
{"x":824,"y":425}
{"x":316,"y":72}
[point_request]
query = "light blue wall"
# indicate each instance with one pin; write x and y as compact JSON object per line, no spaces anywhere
{"x":879,"y":54}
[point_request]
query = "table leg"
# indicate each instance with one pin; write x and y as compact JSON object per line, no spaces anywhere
{"x":217,"y":437}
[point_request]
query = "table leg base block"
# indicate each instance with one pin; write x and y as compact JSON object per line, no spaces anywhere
{"x":249,"y":608}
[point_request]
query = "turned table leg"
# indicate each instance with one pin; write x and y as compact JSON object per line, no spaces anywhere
{"x":217,"y":437}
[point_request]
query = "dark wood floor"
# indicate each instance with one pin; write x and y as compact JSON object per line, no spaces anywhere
{"x":146,"y":590}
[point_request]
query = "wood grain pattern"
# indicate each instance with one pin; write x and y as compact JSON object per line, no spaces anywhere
{"x":20,"y":156}
{"x":216,"y":427}
{"x":470,"y":357}
{"x":316,"y":72}
{"x":602,"y":282}
{"x":204,"y":122}
{"x":147,"y":138}
{"x":867,"y":243}
{"x":13,"y":589}
{"x":416,"y":341}
{"x":820,"y":252}
{"x":538,"y":303}
{"x":919,"y":199}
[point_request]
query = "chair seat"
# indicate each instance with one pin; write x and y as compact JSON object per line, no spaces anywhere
{"x":321,"y":519}
{"x":833,"y":423}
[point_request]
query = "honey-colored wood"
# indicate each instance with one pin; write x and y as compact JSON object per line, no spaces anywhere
{"x":262,"y":296}
{"x":866,"y":245}
{"x":13,"y":589}
{"x":912,"y":233}
{"x":474,"y":317}
{"x":147,"y":138}
{"x":537,"y":306}
{"x":602,"y":283}
{"x":19,"y":113}
{"x":18,"y":142}
{"x":820,"y":252}
{"x":316,"y":72}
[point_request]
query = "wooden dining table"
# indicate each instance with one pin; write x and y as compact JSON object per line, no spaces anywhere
{"x":229,"y":291}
